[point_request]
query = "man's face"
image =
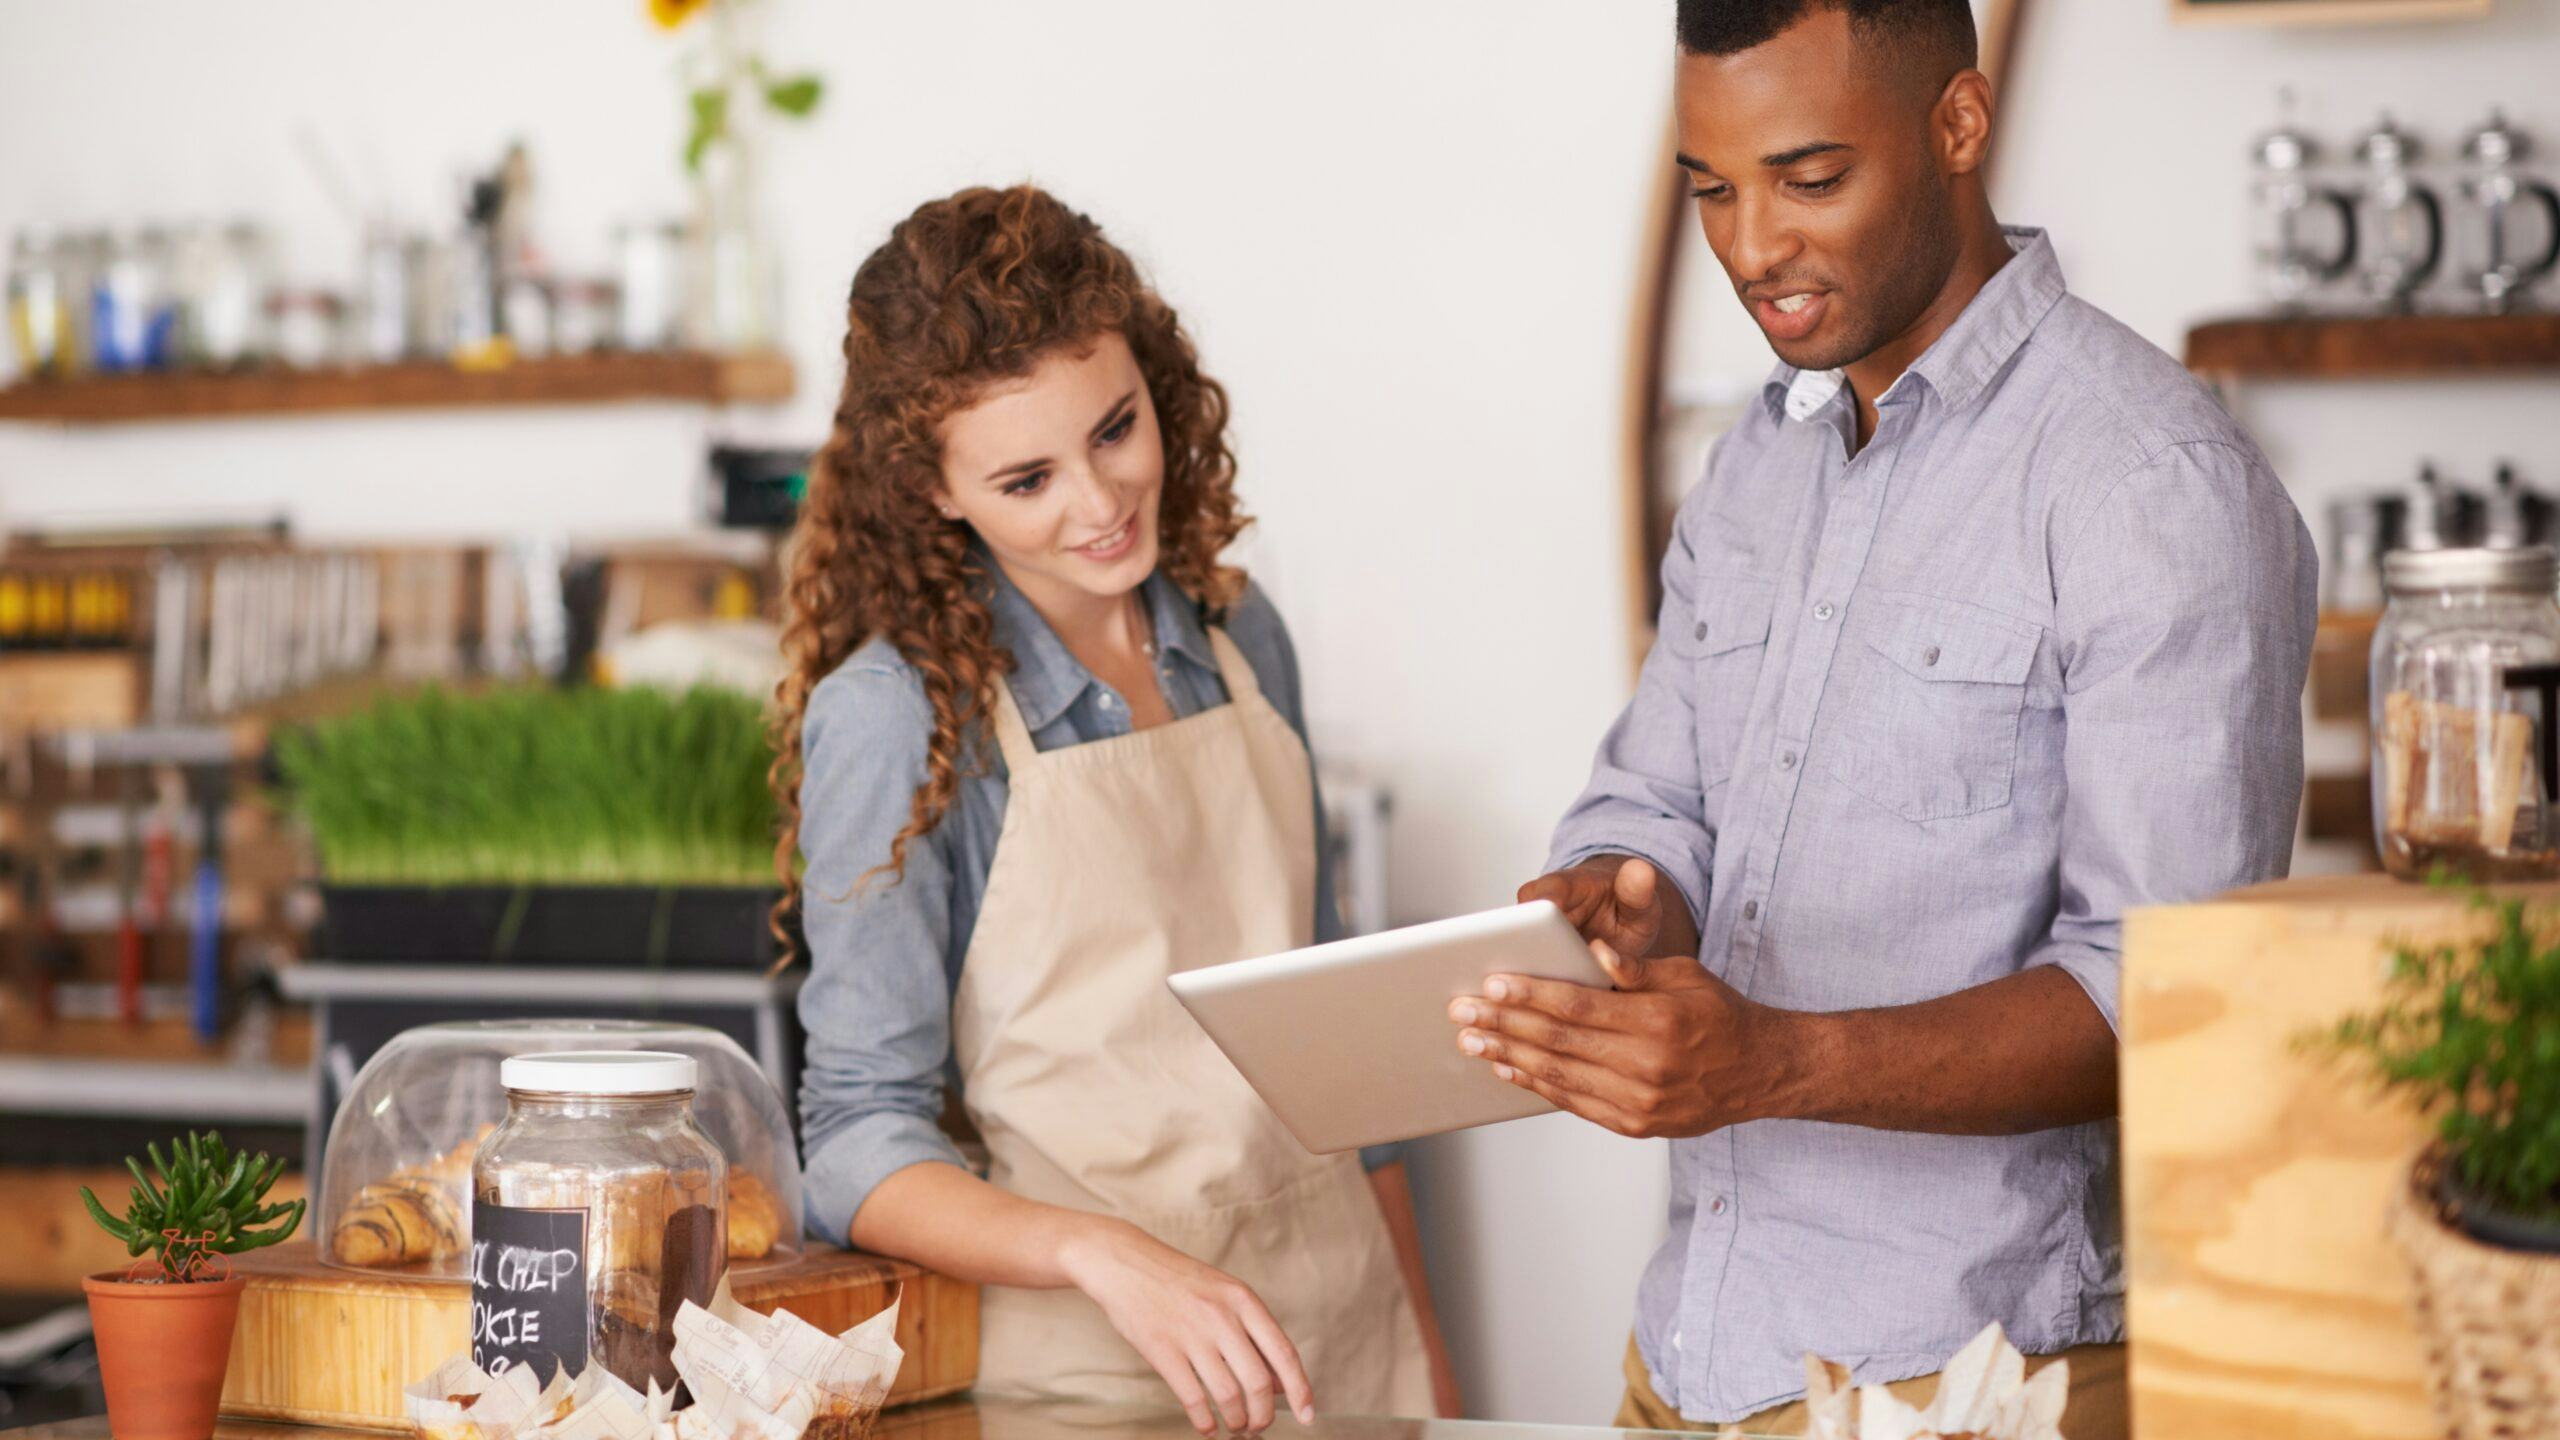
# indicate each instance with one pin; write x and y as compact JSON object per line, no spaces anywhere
{"x":1819,"y":185}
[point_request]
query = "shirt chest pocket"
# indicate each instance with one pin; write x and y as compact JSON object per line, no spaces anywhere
{"x":1921,"y":716}
{"x":1723,"y":645}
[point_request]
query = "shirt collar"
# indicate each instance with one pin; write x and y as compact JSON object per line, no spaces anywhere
{"x":1959,"y":365}
{"x":1047,"y":677}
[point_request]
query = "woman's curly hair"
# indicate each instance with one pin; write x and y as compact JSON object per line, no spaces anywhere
{"x":969,"y":290}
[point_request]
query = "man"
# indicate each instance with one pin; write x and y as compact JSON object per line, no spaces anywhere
{"x":1986,"y":625}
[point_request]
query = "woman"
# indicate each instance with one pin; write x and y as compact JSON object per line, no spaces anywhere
{"x":1040,"y":750}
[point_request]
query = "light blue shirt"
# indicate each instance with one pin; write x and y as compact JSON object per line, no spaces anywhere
{"x":1918,"y":719}
{"x":884,"y":963}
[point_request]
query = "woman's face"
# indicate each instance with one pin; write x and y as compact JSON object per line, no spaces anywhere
{"x":1060,"y":471}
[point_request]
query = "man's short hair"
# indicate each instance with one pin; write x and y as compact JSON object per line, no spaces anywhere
{"x":1935,"y":35}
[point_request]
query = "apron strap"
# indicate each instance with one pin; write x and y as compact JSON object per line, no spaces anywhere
{"x":1013,"y":738}
{"x":1233,"y":668}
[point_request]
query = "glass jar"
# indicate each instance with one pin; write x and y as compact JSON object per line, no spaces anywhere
{"x":384,"y":305}
{"x":393,"y":1196}
{"x":597,"y":1209}
{"x":308,"y":326}
{"x":582,"y":315}
{"x":221,"y":294}
{"x":131,"y":312}
{"x":649,"y":284}
{"x":2466,"y":663}
{"x":39,"y":305}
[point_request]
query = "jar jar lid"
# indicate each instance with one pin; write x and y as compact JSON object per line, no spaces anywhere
{"x":599,"y":1072}
{"x":2529,"y":568}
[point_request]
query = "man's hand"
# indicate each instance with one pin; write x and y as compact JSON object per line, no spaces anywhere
{"x":1620,"y":903}
{"x":1673,"y":1051}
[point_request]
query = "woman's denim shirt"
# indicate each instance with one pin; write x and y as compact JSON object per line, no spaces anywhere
{"x":884,"y":962}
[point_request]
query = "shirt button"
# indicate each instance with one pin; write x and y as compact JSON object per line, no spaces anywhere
{"x":1750,"y":909}
{"x":1110,"y":702}
{"x":1823,"y":611}
{"x":1787,"y":761}
{"x":1701,"y":631}
{"x":1716,"y":1206}
{"x":1929,"y":656}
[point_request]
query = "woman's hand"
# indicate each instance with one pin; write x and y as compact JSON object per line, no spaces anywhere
{"x":1204,"y":1331}
{"x":1211,"y":1338}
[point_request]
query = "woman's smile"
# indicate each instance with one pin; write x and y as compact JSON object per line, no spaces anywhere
{"x":1114,"y":546}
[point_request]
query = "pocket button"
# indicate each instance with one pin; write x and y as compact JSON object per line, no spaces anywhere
{"x":1702,"y":630}
{"x":1929,"y":656}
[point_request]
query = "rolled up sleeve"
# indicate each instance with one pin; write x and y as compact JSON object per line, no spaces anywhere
{"x":2185,"y":606}
{"x":1645,"y":797}
{"x":877,"y":1003}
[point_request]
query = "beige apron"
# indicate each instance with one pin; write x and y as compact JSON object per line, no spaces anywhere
{"x":1122,"y":861}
